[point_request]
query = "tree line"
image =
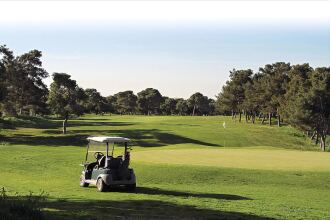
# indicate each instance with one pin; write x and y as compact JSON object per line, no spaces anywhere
{"x":298,"y":94}
{"x":23,"y":92}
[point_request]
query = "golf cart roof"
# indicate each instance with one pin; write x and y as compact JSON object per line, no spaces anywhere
{"x":109,"y":139}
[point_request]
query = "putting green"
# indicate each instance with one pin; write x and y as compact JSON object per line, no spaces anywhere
{"x":246,"y":158}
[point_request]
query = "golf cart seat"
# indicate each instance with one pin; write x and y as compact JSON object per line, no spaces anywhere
{"x":114,"y":162}
{"x":101,"y":162}
{"x":90,"y":166}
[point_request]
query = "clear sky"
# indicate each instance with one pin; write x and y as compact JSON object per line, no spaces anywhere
{"x":176,"y":47}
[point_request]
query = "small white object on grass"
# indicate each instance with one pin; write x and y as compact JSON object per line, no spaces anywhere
{"x":224,"y":124}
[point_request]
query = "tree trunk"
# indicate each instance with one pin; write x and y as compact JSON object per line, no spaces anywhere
{"x":31,"y":112}
{"x":253,"y":118}
{"x":322,"y":142}
{"x":278,"y":120}
{"x":232,"y":114}
{"x":193,"y":113}
{"x":270,"y":119}
{"x":246,"y":117}
{"x":240,"y":116}
{"x":65,"y":121}
{"x":313,"y":135}
{"x":317,"y":138}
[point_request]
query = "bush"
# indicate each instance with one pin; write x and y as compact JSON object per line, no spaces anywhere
{"x":21,"y":207}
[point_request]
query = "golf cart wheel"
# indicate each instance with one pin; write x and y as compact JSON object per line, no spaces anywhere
{"x":131,"y":187}
{"x":82,"y":182}
{"x":100,"y":185}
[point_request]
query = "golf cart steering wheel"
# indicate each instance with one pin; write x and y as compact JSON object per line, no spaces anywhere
{"x":98,"y":155}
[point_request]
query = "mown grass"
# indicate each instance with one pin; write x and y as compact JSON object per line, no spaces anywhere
{"x":187,"y":167}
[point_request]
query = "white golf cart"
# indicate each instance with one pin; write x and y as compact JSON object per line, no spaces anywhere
{"x":103,"y":168}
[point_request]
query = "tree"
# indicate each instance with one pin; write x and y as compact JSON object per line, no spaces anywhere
{"x":149,"y":101}
{"x":198,"y":103}
{"x":272,"y":87}
{"x":298,"y":85}
{"x":2,"y":83}
{"x":22,"y":77}
{"x":313,"y":107}
{"x":112,"y":104}
{"x":168,"y":106}
{"x":212,"y":107}
{"x":8,"y":89}
{"x":64,"y":97}
{"x":233,"y":92}
{"x":126,"y":102}
{"x":182,"y":107}
{"x":252,"y":102}
{"x":226,"y":100}
{"x":33,"y":92}
{"x":94,"y":103}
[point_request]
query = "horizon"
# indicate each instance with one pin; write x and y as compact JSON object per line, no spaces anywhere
{"x":112,"y":52}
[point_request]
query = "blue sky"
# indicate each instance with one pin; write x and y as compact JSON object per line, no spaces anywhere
{"x":178,"y":58}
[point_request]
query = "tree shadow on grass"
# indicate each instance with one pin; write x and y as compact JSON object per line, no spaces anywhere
{"x":43,"y":123}
{"x":30,"y":122}
{"x":137,"y":209}
{"x":145,"y":137}
{"x":20,"y":208}
{"x":54,"y":141}
{"x":75,"y":123}
{"x":91,"y":119}
{"x":157,"y":191}
{"x":140,"y":137}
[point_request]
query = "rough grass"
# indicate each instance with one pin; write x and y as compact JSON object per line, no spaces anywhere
{"x":187,"y":167}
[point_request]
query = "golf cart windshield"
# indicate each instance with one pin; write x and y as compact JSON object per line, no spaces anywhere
{"x":107,"y":146}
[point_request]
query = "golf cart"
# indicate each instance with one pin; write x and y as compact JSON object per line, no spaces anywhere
{"x":103,"y":168}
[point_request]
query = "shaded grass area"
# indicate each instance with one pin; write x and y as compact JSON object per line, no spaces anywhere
{"x":140,"y":209}
{"x":38,"y":208}
{"x":139,"y":137}
{"x":21,"y":207}
{"x":158,"y":191}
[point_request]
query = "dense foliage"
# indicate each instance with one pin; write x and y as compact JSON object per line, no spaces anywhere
{"x":22,"y":90}
{"x":297,"y":93}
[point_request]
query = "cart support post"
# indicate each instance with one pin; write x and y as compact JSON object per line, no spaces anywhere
{"x":87,"y":151}
{"x":107,"y":149}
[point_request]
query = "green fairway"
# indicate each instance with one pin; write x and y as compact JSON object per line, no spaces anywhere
{"x":186,"y":167}
{"x":252,"y":158}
